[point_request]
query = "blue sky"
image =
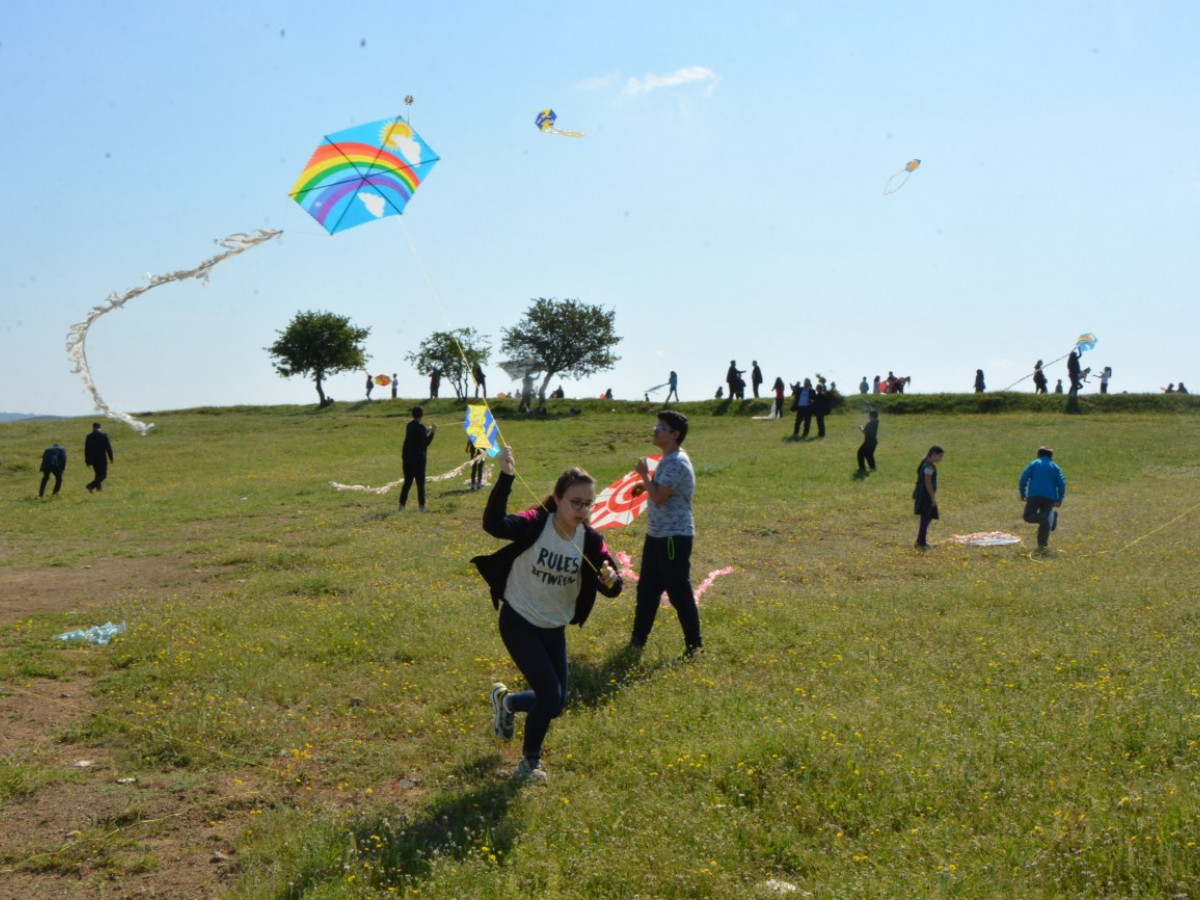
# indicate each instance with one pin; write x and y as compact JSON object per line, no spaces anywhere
{"x":726,"y":201}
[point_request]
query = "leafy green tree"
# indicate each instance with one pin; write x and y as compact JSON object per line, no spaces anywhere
{"x":566,"y":336}
{"x":453,"y":353}
{"x":319,"y":344}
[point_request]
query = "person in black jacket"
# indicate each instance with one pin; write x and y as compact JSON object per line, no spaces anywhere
{"x":545,"y":579}
{"x":417,"y":439}
{"x":925,"y":493}
{"x":821,"y":407}
{"x":866,"y":450}
{"x":97,"y":453}
{"x":54,"y":462}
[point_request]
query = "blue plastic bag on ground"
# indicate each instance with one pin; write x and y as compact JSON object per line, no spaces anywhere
{"x":97,"y":634}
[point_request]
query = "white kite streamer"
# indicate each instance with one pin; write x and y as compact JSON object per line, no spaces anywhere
{"x":77,"y":336}
{"x":457,"y":470}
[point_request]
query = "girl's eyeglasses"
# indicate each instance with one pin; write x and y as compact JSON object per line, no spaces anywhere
{"x":581,"y":505}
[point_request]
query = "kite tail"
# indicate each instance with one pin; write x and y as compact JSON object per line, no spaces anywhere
{"x":625,"y":561}
{"x":574,"y":134}
{"x":888,"y":189}
{"x":457,"y":470}
{"x":77,"y":333}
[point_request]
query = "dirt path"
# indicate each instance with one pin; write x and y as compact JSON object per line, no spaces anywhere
{"x":77,"y":826}
{"x":28,"y":591}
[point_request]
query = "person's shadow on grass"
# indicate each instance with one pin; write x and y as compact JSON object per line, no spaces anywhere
{"x":449,"y":827}
{"x":593,"y":683}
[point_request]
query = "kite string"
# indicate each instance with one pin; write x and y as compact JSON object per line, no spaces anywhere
{"x":539,"y":501}
{"x":461,"y":352}
{"x":1153,"y":531}
{"x":1044,"y":366}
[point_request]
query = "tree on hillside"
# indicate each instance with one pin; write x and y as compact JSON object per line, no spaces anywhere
{"x":319,"y":344}
{"x":565,"y":336}
{"x":453,"y":353}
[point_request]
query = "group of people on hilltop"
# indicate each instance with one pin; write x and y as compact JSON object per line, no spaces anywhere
{"x":736,"y":384}
{"x":97,"y":454}
{"x":890,"y":385}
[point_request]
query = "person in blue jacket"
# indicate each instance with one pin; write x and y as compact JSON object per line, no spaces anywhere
{"x":1042,"y":488}
{"x":54,"y":463}
{"x":543,"y":580}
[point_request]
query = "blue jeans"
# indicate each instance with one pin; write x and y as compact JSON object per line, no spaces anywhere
{"x":666,"y":566}
{"x":541,"y":655}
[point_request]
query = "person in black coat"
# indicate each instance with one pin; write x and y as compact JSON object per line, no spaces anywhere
{"x":54,"y":462}
{"x":97,"y":454}
{"x":821,"y":407}
{"x":413,"y":454}
{"x":733,"y":378}
{"x":756,"y":377}
{"x":805,"y":397}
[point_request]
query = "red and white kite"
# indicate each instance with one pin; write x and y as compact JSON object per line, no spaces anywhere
{"x":623,"y":500}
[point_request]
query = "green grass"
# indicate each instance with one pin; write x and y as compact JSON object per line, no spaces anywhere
{"x":868,"y":721}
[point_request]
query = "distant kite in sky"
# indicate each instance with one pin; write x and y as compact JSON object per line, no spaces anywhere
{"x":482,"y":429}
{"x":903,"y":174}
{"x":363,"y":173}
{"x":1085,"y":342}
{"x":382,"y":380}
{"x":77,"y":336}
{"x":545,"y":121}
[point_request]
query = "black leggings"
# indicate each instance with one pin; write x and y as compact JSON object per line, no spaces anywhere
{"x":541,"y":655}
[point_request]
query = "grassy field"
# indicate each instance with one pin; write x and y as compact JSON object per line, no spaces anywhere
{"x":868,"y":720}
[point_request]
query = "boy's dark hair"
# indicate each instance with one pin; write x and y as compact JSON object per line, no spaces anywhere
{"x":418,"y":412}
{"x":1045,"y":453}
{"x":873,"y":414}
{"x":676,"y":421}
{"x":934,"y":451}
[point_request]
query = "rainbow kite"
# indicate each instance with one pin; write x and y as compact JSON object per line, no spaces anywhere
{"x":482,"y":429}
{"x":364,"y":173}
{"x":1085,"y":342}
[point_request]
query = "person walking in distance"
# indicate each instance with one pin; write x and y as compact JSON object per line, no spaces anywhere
{"x":97,"y":454}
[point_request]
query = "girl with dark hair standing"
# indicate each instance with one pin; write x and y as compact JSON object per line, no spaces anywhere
{"x":777,"y":409}
{"x":545,"y":579}
{"x":925,"y":498}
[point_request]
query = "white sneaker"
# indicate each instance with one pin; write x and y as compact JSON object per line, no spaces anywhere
{"x":504,"y":723}
{"x":531,"y":771}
